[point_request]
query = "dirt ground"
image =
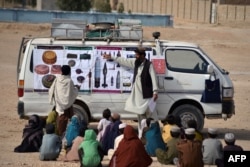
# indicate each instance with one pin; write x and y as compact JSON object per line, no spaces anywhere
{"x":227,"y":45}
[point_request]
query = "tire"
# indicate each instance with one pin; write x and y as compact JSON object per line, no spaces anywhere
{"x":81,"y":113}
{"x":187,"y":112}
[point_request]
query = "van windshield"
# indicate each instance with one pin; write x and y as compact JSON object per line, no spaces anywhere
{"x":223,"y":71}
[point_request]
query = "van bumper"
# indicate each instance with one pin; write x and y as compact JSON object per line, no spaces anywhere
{"x":228,"y":108}
{"x":20,"y":109}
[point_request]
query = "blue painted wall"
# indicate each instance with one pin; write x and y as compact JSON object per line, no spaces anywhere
{"x":33,"y":16}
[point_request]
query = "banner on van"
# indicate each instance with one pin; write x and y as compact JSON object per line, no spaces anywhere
{"x":48,"y":61}
{"x":159,"y":65}
{"x":88,"y":68}
{"x":47,"y":64}
{"x":107,"y":74}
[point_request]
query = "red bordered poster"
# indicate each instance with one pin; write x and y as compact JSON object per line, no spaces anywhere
{"x":159,"y":66}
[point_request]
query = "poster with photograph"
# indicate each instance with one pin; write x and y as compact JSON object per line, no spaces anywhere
{"x":128,"y":73}
{"x":47,"y":63}
{"x":80,"y":59}
{"x":107,"y":73}
{"x":89,"y":69}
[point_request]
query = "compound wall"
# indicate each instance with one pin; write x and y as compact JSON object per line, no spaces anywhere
{"x":34,"y":16}
{"x":204,"y":11}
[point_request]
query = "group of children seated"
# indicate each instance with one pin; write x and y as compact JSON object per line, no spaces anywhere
{"x":121,"y":143}
{"x":188,"y":147}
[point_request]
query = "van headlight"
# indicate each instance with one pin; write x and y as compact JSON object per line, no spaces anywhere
{"x":227,"y":92}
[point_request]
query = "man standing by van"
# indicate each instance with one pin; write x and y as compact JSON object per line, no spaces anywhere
{"x":144,"y":84}
{"x":63,"y":93}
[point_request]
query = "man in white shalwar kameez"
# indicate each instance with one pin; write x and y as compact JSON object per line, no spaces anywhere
{"x":63,"y":94}
{"x":144,"y":87}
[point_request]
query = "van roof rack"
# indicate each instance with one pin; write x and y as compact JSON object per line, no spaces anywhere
{"x":131,"y":28}
{"x":127,"y":29}
{"x":68,"y":28}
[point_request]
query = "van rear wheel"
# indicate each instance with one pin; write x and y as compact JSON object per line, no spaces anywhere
{"x":81,"y":113}
{"x":188,"y":112}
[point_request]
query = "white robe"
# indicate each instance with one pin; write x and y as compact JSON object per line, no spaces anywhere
{"x":63,"y":93}
{"x":135,"y":102}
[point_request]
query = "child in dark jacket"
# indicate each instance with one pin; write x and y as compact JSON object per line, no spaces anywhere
{"x":32,"y":135}
{"x":229,"y":139}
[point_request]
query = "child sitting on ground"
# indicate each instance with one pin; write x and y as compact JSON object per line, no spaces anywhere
{"x":90,"y":151}
{"x":103,"y":123}
{"x":51,"y":144}
{"x":32,"y":135}
{"x":211,"y":147}
{"x":72,"y":131}
{"x":193,"y":124}
{"x":153,"y":138}
{"x":52,"y":116}
{"x":168,"y":123}
{"x":72,"y":154}
{"x":167,"y":157}
{"x":229,"y":139}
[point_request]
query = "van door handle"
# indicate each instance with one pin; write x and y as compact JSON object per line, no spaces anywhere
{"x":169,"y":78}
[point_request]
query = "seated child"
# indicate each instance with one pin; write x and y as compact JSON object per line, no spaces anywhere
{"x":117,"y":140}
{"x":212,"y":147}
{"x":130,"y":151}
{"x":229,"y":139}
{"x":52,"y":116}
{"x":193,"y":124}
{"x":189,"y":150}
{"x":167,"y":157}
{"x":167,"y":124}
{"x":72,"y":154}
{"x":51,"y":144}
{"x":154,"y":139}
{"x":90,"y":151}
{"x":103,"y":123}
{"x":72,"y":131}
{"x":32,"y":135}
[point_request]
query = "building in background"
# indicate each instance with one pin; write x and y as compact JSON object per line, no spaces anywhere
{"x":46,"y":5}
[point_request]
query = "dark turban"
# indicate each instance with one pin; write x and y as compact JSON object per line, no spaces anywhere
{"x":65,"y":70}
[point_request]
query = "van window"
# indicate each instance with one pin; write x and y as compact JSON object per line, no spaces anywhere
{"x":188,"y":61}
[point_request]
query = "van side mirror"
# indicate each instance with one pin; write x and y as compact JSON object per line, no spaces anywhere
{"x":210,"y":69}
{"x":24,"y":48}
{"x":156,"y":35}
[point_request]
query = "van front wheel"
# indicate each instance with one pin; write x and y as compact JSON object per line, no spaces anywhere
{"x":189,"y":112}
{"x":81,"y":113}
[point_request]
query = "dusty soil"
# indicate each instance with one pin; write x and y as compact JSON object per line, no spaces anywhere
{"x":228,"y":45}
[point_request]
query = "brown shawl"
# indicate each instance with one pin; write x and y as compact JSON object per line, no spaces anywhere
{"x":130,"y":152}
{"x":190,"y":154}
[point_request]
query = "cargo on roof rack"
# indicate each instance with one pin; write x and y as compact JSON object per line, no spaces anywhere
{"x":131,"y":28}
{"x":99,"y":30}
{"x":68,"y":28}
{"x":127,"y":29}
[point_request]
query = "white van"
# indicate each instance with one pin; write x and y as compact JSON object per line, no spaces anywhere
{"x":181,"y":68}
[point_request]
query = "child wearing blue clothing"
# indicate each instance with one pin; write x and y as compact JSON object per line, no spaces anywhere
{"x":51,"y":144}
